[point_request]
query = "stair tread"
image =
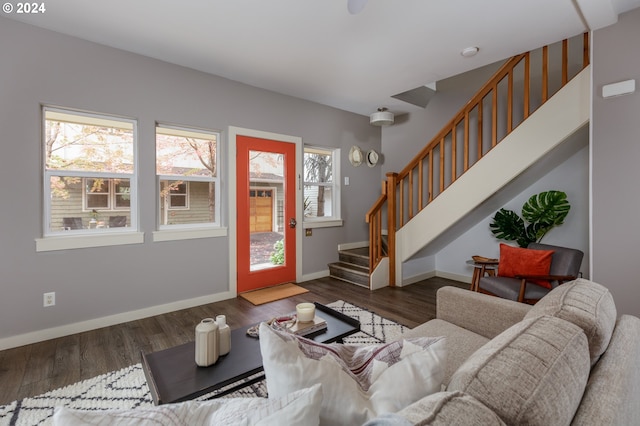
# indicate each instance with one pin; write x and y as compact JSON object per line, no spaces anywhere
{"x":365,"y":285}
{"x":358,"y":252}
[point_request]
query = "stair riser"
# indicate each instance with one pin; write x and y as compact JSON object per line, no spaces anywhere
{"x":355,"y":260}
{"x":349,"y":276}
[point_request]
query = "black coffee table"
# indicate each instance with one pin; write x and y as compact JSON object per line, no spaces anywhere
{"x":173,"y":376}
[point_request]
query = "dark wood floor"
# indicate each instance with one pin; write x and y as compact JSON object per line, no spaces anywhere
{"x":34,"y":369}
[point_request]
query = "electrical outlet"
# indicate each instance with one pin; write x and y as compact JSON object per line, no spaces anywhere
{"x":50,"y":299}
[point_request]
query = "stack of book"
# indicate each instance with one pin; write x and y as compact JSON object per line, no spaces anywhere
{"x":308,"y":327}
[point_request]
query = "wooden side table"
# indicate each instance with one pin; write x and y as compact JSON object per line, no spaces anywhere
{"x":479,"y":271}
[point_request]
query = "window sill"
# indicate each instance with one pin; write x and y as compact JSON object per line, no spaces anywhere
{"x":329,"y":223}
{"x":86,"y":241}
{"x":188,"y":234}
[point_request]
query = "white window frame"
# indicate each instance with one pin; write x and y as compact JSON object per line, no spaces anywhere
{"x":190,"y":230}
{"x":335,"y":219}
{"x":83,"y":238}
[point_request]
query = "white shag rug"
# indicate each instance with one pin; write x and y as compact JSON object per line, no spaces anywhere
{"x":127,"y":388}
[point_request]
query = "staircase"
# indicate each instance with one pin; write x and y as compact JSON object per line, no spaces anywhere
{"x":502,"y":131}
{"x":352,"y":266}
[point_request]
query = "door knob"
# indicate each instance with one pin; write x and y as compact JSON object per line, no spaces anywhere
{"x":292,"y":223}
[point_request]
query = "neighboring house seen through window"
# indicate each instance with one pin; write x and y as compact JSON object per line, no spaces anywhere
{"x":321,"y":187}
{"x":187,"y":170}
{"x":89,"y":168}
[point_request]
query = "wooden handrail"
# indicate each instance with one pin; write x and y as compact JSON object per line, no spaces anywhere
{"x":404,"y":192}
{"x":488,"y":87}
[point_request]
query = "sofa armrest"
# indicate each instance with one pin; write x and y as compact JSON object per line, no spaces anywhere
{"x":480,"y":313}
{"x":611,"y":396}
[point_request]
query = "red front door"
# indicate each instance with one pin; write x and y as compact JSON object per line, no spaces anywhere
{"x":266,"y":195}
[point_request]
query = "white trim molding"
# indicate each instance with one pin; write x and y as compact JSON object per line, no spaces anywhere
{"x":93,"y":324}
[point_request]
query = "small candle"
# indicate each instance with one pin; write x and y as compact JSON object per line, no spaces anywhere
{"x":305,"y":311}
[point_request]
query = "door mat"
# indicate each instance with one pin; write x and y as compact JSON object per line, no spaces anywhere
{"x":269,"y":294}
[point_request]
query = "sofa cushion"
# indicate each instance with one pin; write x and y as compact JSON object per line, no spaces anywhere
{"x":442,"y":409}
{"x":459,"y":344}
{"x":299,"y":408}
{"x":358,"y":382}
{"x":522,"y":261}
{"x":586,"y":304}
{"x":533,"y":373}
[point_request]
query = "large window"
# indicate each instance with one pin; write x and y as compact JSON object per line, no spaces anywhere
{"x":187,"y":169}
{"x":90,"y":173}
{"x":321,"y":186}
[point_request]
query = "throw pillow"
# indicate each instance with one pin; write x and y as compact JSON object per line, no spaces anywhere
{"x":441,"y":409}
{"x":533,"y":373}
{"x":521,"y":261}
{"x":298,"y":408}
{"x":586,"y":304}
{"x":358,"y":382}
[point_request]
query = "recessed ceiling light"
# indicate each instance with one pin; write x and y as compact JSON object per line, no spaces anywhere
{"x":468,"y":52}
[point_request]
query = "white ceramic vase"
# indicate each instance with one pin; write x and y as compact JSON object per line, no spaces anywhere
{"x":207,"y":345}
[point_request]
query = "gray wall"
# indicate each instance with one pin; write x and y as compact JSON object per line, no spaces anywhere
{"x":572,"y":177}
{"x":615,"y":157}
{"x":42,"y":67}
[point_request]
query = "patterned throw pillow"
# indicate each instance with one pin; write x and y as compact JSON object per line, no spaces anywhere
{"x":358,"y":382}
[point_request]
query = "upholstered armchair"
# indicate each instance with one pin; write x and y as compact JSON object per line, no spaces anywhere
{"x":519,"y":277}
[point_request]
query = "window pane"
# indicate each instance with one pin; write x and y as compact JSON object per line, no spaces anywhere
{"x":317,"y":167}
{"x":89,"y":163}
{"x":321,"y":183}
{"x":182,"y":153}
{"x":98,"y":201}
{"x":178,"y":188}
{"x":317,"y":201}
{"x":86,"y":143}
{"x":187,"y":203}
{"x":97,"y":193}
{"x":122,"y":188}
{"x":67,"y":210}
{"x":190,"y":156}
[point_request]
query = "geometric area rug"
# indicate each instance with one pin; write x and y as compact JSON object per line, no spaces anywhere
{"x":127,"y":388}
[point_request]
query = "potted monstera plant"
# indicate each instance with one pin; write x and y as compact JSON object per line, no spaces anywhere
{"x":540,"y":214}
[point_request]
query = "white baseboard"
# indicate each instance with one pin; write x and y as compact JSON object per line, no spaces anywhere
{"x":315,"y":275}
{"x":92,"y":324}
{"x":455,"y":277}
{"x":417,"y":278}
{"x":426,"y":275}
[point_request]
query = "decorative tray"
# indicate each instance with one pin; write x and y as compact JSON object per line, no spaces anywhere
{"x":485,"y":260}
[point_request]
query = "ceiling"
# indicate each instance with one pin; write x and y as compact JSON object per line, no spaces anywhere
{"x":317,"y":50}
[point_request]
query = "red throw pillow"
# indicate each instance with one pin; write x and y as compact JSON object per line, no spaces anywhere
{"x":521,"y":261}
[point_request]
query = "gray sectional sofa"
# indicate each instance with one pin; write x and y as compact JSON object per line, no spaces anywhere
{"x":569,"y":359}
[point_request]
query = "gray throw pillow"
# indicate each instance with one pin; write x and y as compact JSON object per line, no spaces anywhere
{"x":533,"y":373}
{"x":586,"y":304}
